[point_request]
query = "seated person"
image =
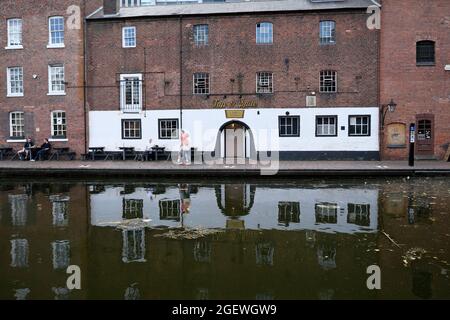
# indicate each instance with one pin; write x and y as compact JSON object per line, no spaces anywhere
{"x":26,"y":149}
{"x":43,"y":151}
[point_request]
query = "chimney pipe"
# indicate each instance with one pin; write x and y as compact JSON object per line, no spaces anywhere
{"x":111,"y":7}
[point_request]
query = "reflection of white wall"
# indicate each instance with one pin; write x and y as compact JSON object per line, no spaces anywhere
{"x":106,"y":208}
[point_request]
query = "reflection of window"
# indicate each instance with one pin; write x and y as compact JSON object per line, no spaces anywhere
{"x":288,"y":212}
{"x":326,"y":256}
{"x":133,"y":209}
{"x":61,"y":254}
{"x":264,"y":254}
{"x":61,"y":293}
{"x":21,"y":294}
{"x":264,"y":296}
{"x":133,"y":249}
{"x":202,"y":294}
{"x":132,"y":293}
{"x":19,"y":253}
{"x":169,"y":210}
{"x":60,"y":206}
{"x":96,"y":189}
{"x":202,"y":251}
{"x":359,"y":214}
{"x":326,"y":212}
{"x":18,"y":204}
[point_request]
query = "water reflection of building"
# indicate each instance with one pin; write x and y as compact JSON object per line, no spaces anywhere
{"x":239,"y":206}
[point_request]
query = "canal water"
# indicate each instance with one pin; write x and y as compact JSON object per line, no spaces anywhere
{"x":218,"y":239}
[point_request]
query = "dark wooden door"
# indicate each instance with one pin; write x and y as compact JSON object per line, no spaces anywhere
{"x":425,"y":135}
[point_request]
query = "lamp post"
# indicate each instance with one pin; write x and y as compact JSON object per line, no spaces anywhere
{"x":391,"y":106}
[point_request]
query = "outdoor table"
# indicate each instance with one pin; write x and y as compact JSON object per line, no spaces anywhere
{"x":5,"y":151}
{"x":126,"y":150}
{"x":59,"y":151}
{"x":157,"y":150}
{"x":95,"y":150}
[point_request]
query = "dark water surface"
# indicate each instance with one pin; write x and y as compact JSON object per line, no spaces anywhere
{"x":217,"y":239}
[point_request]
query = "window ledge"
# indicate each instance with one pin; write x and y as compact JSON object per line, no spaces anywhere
{"x":426,"y":64}
{"x":58,"y":140}
{"x":14,"y":47}
{"x":128,"y":47}
{"x":16,"y":140}
{"x":14,"y":95}
{"x":56,"y":46}
{"x":56,"y":94}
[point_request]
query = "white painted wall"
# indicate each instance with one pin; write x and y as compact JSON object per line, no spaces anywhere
{"x":204,"y":124}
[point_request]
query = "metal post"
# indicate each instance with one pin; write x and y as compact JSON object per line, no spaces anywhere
{"x":412,"y":140}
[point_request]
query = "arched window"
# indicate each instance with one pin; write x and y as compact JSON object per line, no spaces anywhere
{"x":264,"y":33}
{"x":425,"y":52}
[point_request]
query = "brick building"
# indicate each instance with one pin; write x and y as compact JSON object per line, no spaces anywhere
{"x":299,"y":77}
{"x":415,"y":73}
{"x":42,"y":72}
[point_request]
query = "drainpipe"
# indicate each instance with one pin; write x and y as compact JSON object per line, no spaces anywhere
{"x":85,"y":111}
{"x":181,"y":69}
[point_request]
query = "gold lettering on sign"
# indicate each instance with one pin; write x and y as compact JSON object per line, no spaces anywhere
{"x":242,"y":104}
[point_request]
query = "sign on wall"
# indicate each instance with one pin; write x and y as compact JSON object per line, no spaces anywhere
{"x":234,"y":114}
{"x":396,"y":135}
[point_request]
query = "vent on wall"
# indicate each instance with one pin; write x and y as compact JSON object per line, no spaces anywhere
{"x":311,"y":101}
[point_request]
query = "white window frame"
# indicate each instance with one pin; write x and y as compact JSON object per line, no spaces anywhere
{"x":50,"y":42}
{"x":326,"y":34}
{"x":264,"y":32}
{"x":265,"y":87}
{"x":130,"y":130}
{"x":353,"y":121}
{"x":55,"y":137}
{"x":328,"y":75}
{"x":172,"y":136}
{"x":124,"y":37}
{"x":10,"y":30}
{"x":325,"y":130}
{"x":201,"y":35}
{"x":9,"y":87}
{"x":195,"y":78}
{"x":52,"y":92}
{"x":11,"y":125}
{"x":133,"y":107}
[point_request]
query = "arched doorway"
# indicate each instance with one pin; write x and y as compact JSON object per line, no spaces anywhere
{"x":235,"y":141}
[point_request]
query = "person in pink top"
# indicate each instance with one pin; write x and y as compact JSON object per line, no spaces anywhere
{"x":184,"y":149}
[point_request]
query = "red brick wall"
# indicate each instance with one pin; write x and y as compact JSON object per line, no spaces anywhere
{"x":232,"y":50}
{"x":416,"y":90}
{"x":34,"y":59}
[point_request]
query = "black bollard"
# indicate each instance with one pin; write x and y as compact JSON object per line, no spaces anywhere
{"x":412,"y":140}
